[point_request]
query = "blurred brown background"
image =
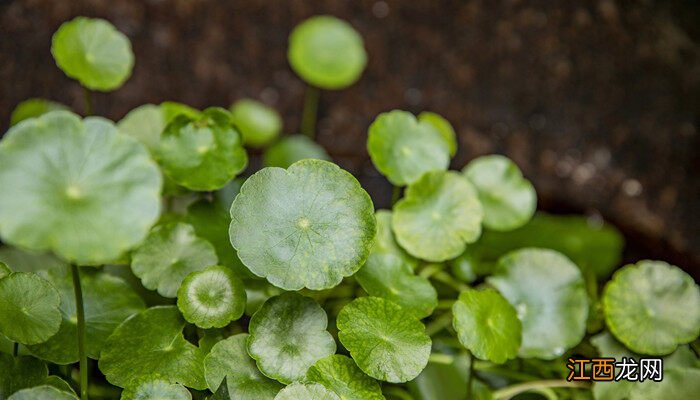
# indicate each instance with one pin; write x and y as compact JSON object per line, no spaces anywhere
{"x":597,"y":101}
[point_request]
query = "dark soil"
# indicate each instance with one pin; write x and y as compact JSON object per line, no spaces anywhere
{"x":598,"y":103}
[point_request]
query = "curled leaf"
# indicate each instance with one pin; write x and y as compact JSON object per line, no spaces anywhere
{"x":211,"y":298}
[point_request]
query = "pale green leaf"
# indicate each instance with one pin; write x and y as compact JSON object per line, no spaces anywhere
{"x":145,"y":124}
{"x":155,"y":389}
{"x":443,"y":127}
{"x":259,"y":124}
{"x":306,"y":391}
{"x":211,"y":298}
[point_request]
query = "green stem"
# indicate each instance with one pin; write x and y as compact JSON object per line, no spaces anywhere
{"x":439,"y":324}
{"x":308,"y":116}
{"x":509,"y":392}
{"x":489,"y":368}
{"x":397,"y":392}
{"x":447,"y":279}
{"x":470,"y":378}
{"x":395,"y":194}
{"x":87,"y":97}
{"x":15,"y":350}
{"x":430,"y":270}
{"x":440,"y":358}
{"x":81,"y":332}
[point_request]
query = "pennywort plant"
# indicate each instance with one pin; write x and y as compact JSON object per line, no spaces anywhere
{"x":146,"y":260}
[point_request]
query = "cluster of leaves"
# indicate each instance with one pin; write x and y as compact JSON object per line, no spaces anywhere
{"x":150,"y":248}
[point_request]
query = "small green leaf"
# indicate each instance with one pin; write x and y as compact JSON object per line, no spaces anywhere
{"x":32,"y":108}
{"x":161,"y":347}
{"x":211,"y":298}
{"x":548,"y":293}
{"x":403,"y":148}
{"x":327,"y":52}
{"x":155,"y":389}
{"x":145,"y":124}
{"x":652,"y":307}
{"x":385,"y":341}
{"x":201,"y":153}
{"x":438,"y":216}
{"x":259,"y":124}
{"x":487,"y":325}
{"x":93,"y":193}
{"x":317,"y":225}
{"x":341,"y":375}
{"x":229,"y":363}
{"x":443,"y":127}
{"x":509,"y":200}
{"x":389,"y":277}
{"x":306,"y":391}
{"x":291,"y":149}
{"x":93,"y":52}
{"x":385,"y":242}
{"x":168,"y":255}
{"x":29,"y":308}
{"x":44,"y":392}
{"x":288,"y":335}
{"x":19,"y":373}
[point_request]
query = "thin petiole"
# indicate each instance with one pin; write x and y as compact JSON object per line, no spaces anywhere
{"x":309,"y":113}
{"x":440,"y":358}
{"x":447,"y":279}
{"x":509,"y":392}
{"x":15,"y":350}
{"x":87,"y":98}
{"x":439,"y":324}
{"x":75,"y":272}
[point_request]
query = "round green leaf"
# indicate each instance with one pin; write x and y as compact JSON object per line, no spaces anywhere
{"x":108,"y":301}
{"x":327,"y":52}
{"x":203,"y":152}
{"x":93,"y":52}
{"x":652,"y":307}
{"x":386,"y":342}
{"x":76,"y":187}
{"x":306,"y":391}
{"x":168,"y":255}
{"x":32,"y":108}
{"x":211,"y":298}
{"x":44,"y":392}
{"x":307,"y":226}
{"x":438,"y":216}
{"x":229,"y":362}
{"x":403,"y":148}
{"x":152,"y":341}
{"x":288,"y":335}
{"x":17,"y":373}
{"x":145,"y":124}
{"x":259,"y":124}
{"x":388,"y":276}
{"x":291,"y":149}
{"x":487,"y":325}
{"x":509,"y":200}
{"x":385,"y":242}
{"x":549,"y":295}
{"x":155,"y":389}
{"x":341,"y":375}
{"x":443,"y":127}
{"x":29,"y":308}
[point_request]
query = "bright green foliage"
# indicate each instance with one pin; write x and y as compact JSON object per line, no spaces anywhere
{"x":291,"y":149}
{"x":319,"y":225}
{"x":652,"y":307}
{"x":211,"y":298}
{"x":155,"y":389}
{"x":145,"y":124}
{"x":327,"y":52}
{"x":341,"y":375}
{"x":93,"y":52}
{"x":487,"y":325}
{"x":288,"y":335}
{"x":20,"y":373}
{"x":29,"y":308}
{"x":306,"y":391}
{"x":168,"y":255}
{"x":438,"y":216}
{"x":385,"y":242}
{"x":403,"y":148}
{"x":93,"y":193}
{"x":32,"y":108}
{"x":44,"y":392}
{"x":508,"y":199}
{"x":386,"y":342}
{"x":108,"y":302}
{"x":259,"y":124}
{"x":228,"y":362}
{"x":443,"y":127}
{"x":547,"y":291}
{"x":161,"y":348}
{"x":202,"y":152}
{"x":388,"y":276}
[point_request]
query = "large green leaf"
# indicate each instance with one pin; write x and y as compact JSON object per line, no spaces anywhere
{"x":76,"y":187}
{"x":19,"y":373}
{"x":228,"y":362}
{"x":259,"y":124}
{"x":291,"y":149}
{"x":652,"y":307}
{"x":211,"y":298}
{"x":306,"y":391}
{"x":403,"y":148}
{"x":44,"y":392}
{"x":438,"y":216}
{"x":487,"y":325}
{"x":288,"y":335}
{"x":508,"y":199}
{"x":327,"y":52}
{"x":547,"y":291}
{"x":341,"y":375}
{"x":29,"y":308}
{"x":92,"y":51}
{"x":154,"y":388}
{"x":160,"y":348}
{"x":168,"y":255}
{"x":386,"y":342}
{"x":32,"y":108}
{"x":307,"y":226}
